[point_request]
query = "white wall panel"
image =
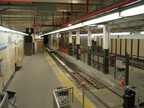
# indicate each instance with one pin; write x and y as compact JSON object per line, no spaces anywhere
{"x":118,"y":46}
{"x":141,"y":48}
{"x":114,"y":42}
{"x":135,"y":45}
{"x":123,"y":47}
{"x":129,"y":46}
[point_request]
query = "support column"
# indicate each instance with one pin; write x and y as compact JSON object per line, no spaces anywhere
{"x":71,"y":11}
{"x":57,"y":40}
{"x":70,"y":43}
{"x":95,"y":44}
{"x":95,"y":40}
{"x":127,"y":69}
{"x":106,"y":49}
{"x":89,"y":46}
{"x":77,"y":44}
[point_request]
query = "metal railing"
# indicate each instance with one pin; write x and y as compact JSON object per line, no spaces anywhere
{"x":3,"y":100}
{"x":63,"y":97}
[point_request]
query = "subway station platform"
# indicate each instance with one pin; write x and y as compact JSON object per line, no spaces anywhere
{"x":35,"y":82}
{"x":39,"y":76}
{"x":136,"y":76}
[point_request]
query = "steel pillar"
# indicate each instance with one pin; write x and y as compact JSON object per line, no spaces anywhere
{"x":77,"y":44}
{"x":89,"y":46}
{"x":106,"y":49}
{"x":70,"y":43}
{"x":127,"y":69}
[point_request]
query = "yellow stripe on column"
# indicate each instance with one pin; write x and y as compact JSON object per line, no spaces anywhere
{"x":66,"y":82}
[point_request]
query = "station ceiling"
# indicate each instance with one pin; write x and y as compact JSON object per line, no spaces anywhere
{"x":47,"y":15}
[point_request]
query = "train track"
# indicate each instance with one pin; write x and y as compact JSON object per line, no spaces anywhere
{"x":78,"y":76}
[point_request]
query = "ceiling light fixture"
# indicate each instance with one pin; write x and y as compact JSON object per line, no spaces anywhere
{"x":10,"y":30}
{"x":120,"y":33}
{"x":103,"y":19}
{"x":142,"y":32}
{"x":101,"y":34}
{"x":132,"y":11}
{"x":4,"y":28}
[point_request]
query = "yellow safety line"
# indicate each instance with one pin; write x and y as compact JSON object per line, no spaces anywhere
{"x":66,"y":82}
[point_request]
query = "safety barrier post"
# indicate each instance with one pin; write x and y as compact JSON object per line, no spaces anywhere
{"x":127,"y":69}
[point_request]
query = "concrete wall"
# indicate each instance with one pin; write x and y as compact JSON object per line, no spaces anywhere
{"x":11,"y":49}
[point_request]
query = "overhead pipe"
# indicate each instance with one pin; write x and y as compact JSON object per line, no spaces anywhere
{"x":125,"y":2}
{"x":71,"y":11}
{"x":74,"y":4}
{"x":47,"y":25}
{"x":14,"y":1}
{"x":87,"y":7}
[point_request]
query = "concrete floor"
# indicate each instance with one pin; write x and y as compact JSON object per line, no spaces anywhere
{"x":35,"y":82}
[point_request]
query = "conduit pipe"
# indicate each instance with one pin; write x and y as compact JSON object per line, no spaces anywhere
{"x":125,"y":2}
{"x":87,"y":7}
{"x":47,"y":25}
{"x":14,"y":1}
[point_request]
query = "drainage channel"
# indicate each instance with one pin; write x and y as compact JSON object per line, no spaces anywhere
{"x":98,"y":93}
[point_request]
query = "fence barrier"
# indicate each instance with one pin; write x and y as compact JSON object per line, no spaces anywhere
{"x":63,"y":97}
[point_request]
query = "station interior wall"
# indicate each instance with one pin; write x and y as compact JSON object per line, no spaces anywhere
{"x":11,"y":50}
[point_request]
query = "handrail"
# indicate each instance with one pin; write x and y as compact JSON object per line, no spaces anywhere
{"x":3,"y":100}
{"x":63,"y":97}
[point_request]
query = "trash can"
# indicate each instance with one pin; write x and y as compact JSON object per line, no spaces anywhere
{"x":129,"y":99}
{"x":112,"y":60}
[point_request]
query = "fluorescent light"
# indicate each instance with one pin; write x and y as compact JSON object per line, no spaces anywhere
{"x":101,"y":34}
{"x":14,"y":31}
{"x":133,"y":11}
{"x":4,"y":28}
{"x":122,"y":33}
{"x":103,"y":19}
{"x":75,"y":26}
{"x":142,"y":32}
{"x":90,"y":22}
{"x":10,"y":30}
{"x":64,"y":29}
